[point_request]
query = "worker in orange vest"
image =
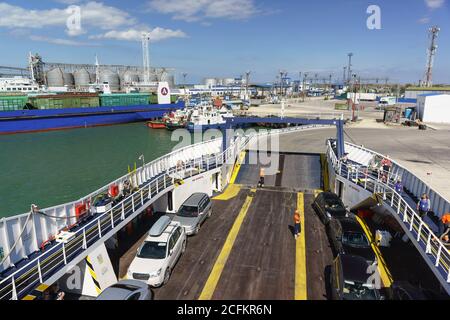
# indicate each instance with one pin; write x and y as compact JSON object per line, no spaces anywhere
{"x":296,"y":224}
{"x":445,"y":226}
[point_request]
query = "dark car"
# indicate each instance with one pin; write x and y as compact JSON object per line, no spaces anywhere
{"x":403,"y":290}
{"x":328,"y":205}
{"x":347,"y":236}
{"x":351,"y":279}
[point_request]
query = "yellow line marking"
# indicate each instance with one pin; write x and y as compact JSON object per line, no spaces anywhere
{"x":300,"y":253}
{"x":385,"y":274}
{"x":325,"y":173}
{"x":237,"y":167}
{"x":29,"y":297}
{"x":213,"y":279}
{"x":230,"y":192}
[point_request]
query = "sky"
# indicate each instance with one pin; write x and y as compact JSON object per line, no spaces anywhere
{"x":226,"y":38}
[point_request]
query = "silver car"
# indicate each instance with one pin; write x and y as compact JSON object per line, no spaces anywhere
{"x":193,"y":212}
{"x":127,"y":290}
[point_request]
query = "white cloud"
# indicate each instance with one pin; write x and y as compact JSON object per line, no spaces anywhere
{"x":93,"y":14}
{"x":424,"y":20}
{"x":434,"y":4}
{"x":65,"y":42}
{"x":156,"y":34}
{"x":195,"y":10}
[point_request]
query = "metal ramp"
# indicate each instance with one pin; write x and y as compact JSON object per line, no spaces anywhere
{"x":422,"y":233}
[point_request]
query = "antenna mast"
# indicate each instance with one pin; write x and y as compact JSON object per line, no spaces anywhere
{"x":433,"y":32}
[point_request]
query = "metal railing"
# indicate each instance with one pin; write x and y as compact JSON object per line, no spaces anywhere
{"x":381,"y":182}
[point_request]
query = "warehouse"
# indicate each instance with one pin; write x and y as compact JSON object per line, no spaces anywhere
{"x":414,"y":92}
{"x":434,"y":108}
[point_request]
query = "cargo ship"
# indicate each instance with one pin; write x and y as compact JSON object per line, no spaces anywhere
{"x":32,"y":112}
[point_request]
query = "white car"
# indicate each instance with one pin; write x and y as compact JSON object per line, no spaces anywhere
{"x":159,"y":253}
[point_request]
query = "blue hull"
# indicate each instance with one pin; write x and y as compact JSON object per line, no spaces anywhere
{"x":45,"y":120}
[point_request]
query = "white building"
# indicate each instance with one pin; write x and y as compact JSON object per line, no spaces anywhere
{"x":434,"y":108}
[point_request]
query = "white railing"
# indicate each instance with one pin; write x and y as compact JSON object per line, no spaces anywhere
{"x":382,"y":183}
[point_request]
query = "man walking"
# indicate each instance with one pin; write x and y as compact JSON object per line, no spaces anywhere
{"x":296,"y":224}
{"x":424,"y":205}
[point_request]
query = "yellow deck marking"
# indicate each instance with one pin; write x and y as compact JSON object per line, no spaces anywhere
{"x":230,"y":192}
{"x":219,"y":265}
{"x":237,"y":167}
{"x":317,"y":192}
{"x":325,"y":173}
{"x":29,"y":297}
{"x":300,"y":253}
{"x":385,"y":274}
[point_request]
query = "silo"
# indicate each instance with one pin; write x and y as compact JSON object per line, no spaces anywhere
{"x":210,"y":82}
{"x":68,"y":79}
{"x":129,"y":77}
{"x":82,"y":78}
{"x":55,"y":78}
{"x":112,"y":78}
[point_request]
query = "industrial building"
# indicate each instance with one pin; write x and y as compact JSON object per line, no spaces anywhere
{"x":434,"y":108}
{"x":414,"y":92}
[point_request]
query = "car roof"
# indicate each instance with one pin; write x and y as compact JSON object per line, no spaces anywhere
{"x":165,"y":233}
{"x":354,"y":268}
{"x":194,"y":199}
{"x":350,"y":224}
{"x":121,"y":290}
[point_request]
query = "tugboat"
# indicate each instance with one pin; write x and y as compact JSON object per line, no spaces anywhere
{"x":156,"y":124}
{"x":208,"y":118}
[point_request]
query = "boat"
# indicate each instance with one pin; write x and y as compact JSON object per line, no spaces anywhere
{"x":156,"y":124}
{"x":208,"y":117}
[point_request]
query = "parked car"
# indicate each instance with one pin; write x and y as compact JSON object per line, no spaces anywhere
{"x":351,"y":279}
{"x":347,"y":236}
{"x":157,"y":256}
{"x":403,"y":290}
{"x":193,"y":212}
{"x":328,"y":205}
{"x":127,"y":290}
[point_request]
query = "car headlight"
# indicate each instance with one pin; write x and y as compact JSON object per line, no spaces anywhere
{"x":155,"y":274}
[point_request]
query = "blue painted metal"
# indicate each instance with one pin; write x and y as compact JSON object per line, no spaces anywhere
{"x":53,"y":119}
{"x":236,"y":121}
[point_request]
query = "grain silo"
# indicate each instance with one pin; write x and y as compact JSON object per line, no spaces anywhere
{"x":129,"y":77}
{"x":110,"y":77}
{"x":82,"y":78}
{"x":69,"y":79}
{"x":55,"y":78}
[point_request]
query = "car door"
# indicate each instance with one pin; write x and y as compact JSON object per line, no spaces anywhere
{"x":172,"y":253}
{"x":202,"y":211}
{"x":178,"y":243}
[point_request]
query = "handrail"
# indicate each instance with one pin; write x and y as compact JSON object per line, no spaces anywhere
{"x":432,"y":244}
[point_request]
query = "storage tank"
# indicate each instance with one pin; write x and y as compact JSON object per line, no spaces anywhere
{"x":68,"y":79}
{"x":169,"y":78}
{"x":129,"y":77}
{"x":82,"y":78}
{"x":55,"y":78}
{"x":112,"y":78}
{"x":228,"y":81}
{"x":210,"y":82}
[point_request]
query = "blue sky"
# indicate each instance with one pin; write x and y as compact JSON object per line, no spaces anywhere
{"x":224,"y":38}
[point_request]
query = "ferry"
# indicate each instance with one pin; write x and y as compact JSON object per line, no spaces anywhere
{"x":208,"y":117}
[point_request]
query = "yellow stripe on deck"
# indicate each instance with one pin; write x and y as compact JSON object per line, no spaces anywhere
{"x":237,"y":167}
{"x":385,"y":274}
{"x":230,"y":192}
{"x":300,"y":253}
{"x":219,"y":265}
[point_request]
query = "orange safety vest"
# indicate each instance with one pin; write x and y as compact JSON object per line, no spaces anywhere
{"x":445,"y":218}
{"x":297,"y":218}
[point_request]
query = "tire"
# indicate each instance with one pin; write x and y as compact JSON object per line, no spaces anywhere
{"x":167,"y":275}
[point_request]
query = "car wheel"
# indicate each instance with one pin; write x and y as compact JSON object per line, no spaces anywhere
{"x":183,"y":247}
{"x":167,"y":275}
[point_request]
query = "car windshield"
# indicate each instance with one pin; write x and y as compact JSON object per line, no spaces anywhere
{"x":354,"y":291}
{"x":334,"y":203}
{"x":152,"y":250}
{"x":355,"y":239}
{"x":188,"y":211}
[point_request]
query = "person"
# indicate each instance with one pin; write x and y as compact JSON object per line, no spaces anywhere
{"x":424,"y":205}
{"x":386,"y":165}
{"x":296,"y":224}
{"x":344,"y":158}
{"x":398,"y":187}
{"x":261,"y":177}
{"x":444,"y":227}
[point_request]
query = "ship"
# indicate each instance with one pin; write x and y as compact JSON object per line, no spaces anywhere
{"x":22,"y":109}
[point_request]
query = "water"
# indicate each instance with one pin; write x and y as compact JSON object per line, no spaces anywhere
{"x":52,"y":168}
